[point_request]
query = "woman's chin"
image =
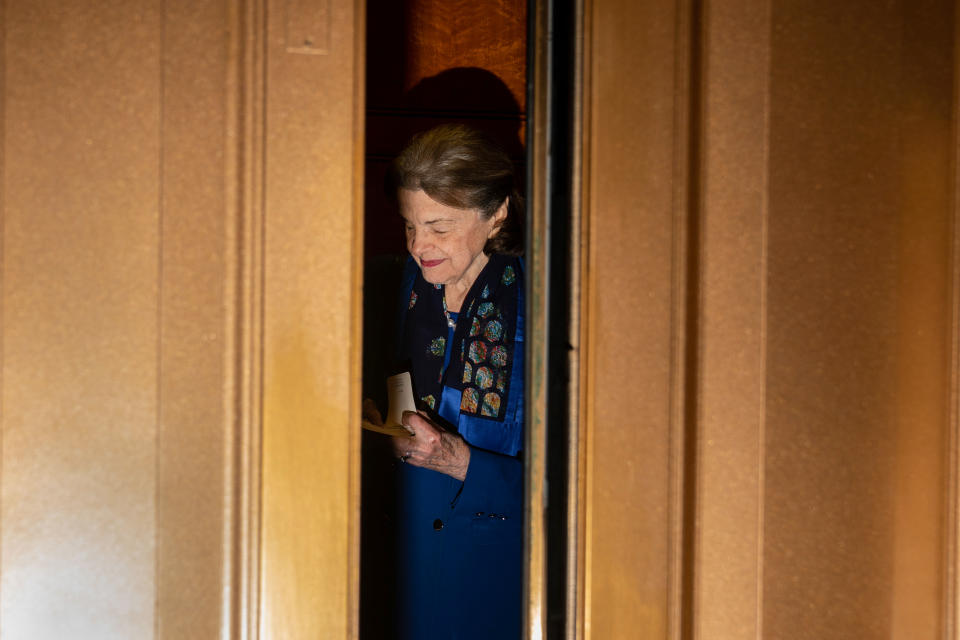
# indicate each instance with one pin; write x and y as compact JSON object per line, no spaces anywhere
{"x":433,"y":275}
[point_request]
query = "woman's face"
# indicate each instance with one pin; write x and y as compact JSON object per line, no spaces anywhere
{"x":445,"y":241}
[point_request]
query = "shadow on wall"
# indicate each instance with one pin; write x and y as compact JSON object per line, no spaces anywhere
{"x":466,"y":95}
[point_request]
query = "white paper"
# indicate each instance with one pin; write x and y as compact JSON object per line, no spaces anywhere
{"x":399,"y":397}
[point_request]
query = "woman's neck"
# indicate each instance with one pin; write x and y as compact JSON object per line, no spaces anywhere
{"x":455,"y":292}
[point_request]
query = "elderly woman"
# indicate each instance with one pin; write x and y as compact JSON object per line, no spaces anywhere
{"x":460,"y":484}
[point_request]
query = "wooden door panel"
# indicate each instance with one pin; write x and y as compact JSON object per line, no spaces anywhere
{"x":770,"y":302}
{"x":134,"y":203}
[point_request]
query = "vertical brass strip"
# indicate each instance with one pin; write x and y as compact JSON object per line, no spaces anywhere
{"x":158,"y":549}
{"x":676,"y":589}
{"x":537,"y":304}
{"x":356,"y":314}
{"x":245,"y":162}
{"x":585,"y":377}
{"x":761,"y":459}
{"x":3,"y":252}
{"x":951,"y":590}
{"x":578,"y":246}
{"x":687,"y":356}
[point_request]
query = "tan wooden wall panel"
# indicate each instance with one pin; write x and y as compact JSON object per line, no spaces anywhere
{"x":81,"y":197}
{"x":196,"y":426}
{"x":860,"y":205}
{"x":727,"y":553}
{"x":631,"y":284}
{"x":817,"y":439}
{"x":120,"y":299}
{"x":927,"y":229}
{"x":134,"y":169}
{"x":831,"y":419}
{"x":311,"y":440}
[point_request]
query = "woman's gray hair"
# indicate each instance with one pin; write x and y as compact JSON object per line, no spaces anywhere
{"x":460,"y":167}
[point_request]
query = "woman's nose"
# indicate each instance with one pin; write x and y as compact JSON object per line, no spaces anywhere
{"x":415,"y":241}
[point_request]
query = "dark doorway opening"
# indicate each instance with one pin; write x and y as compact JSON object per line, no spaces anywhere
{"x":429,"y":62}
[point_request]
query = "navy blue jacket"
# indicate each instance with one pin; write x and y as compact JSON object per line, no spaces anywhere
{"x":460,"y":544}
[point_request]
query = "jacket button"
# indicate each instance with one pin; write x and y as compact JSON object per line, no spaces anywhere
{"x":437,"y":524}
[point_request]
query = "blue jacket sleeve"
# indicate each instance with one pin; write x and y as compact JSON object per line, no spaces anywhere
{"x":494,"y":485}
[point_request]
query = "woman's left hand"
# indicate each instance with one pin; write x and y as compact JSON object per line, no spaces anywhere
{"x":432,"y":447}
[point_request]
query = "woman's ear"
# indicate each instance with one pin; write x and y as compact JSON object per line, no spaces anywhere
{"x":499,"y":217}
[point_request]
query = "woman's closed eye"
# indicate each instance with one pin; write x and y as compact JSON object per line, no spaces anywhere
{"x":442,"y":226}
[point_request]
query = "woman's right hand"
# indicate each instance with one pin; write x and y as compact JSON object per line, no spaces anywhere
{"x":432,"y":447}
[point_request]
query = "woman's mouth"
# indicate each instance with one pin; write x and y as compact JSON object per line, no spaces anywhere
{"x":430,"y":263}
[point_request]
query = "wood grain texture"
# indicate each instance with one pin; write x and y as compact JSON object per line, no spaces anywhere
{"x":432,"y":62}
{"x":490,"y":35}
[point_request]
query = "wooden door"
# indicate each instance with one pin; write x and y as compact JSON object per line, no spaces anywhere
{"x":769,"y":320}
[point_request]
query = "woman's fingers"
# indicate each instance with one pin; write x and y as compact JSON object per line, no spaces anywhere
{"x":423,"y":446}
{"x":402,"y":446}
{"x":415,"y":420}
{"x":370,"y":412}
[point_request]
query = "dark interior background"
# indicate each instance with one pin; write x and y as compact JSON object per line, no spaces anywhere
{"x":435,"y":61}
{"x":428,"y":62}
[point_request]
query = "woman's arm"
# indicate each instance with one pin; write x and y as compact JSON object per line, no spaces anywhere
{"x":491,"y":481}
